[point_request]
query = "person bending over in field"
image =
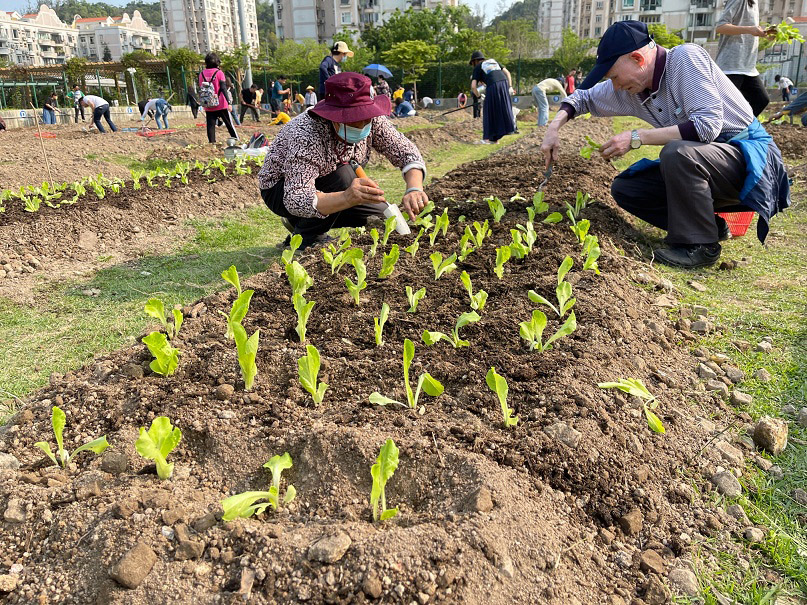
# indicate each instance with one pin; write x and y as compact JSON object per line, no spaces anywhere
{"x":714,"y":155}
{"x":307,"y":179}
{"x":100,"y":109}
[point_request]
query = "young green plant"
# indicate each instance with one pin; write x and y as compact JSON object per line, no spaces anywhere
{"x":62,"y":457}
{"x":635,"y":387}
{"x":361,"y":281}
{"x":591,"y":252}
{"x":379,"y":324}
{"x":498,"y":384}
{"x":308,"y":371}
{"x":156,"y":309}
{"x":288,"y":254}
{"x":497,"y":209}
{"x":247,"y":350}
{"x":431,"y":338}
{"x":413,"y":247}
{"x":166,"y":357}
{"x":430,"y":385}
{"x":246,"y":504}
{"x":589,"y":148}
{"x":374,"y":247}
{"x":414,"y":298}
{"x":479,"y":299}
{"x":388,"y":263}
{"x":532,"y":331}
{"x":502,"y":256}
{"x":441,"y":225}
{"x":383,"y":469}
{"x":156,"y":443}
{"x":389,"y":227}
{"x":303,"y":309}
{"x":442,"y":266}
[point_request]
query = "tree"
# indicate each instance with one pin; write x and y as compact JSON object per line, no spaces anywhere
{"x":663,"y":36}
{"x":75,"y":69}
{"x":235,"y":63}
{"x":436,"y":27}
{"x":466,"y":41}
{"x":572,"y":50}
{"x":265,"y":14}
{"x":521,"y":37}
{"x":291,"y":58}
{"x":181,"y":58}
{"x":107,"y":54}
{"x":411,"y":56}
{"x":526,"y":9}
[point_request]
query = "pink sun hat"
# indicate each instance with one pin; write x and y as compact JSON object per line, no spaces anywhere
{"x":350,"y":98}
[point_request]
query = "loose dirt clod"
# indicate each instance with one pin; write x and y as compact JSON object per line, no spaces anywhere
{"x":134,"y":566}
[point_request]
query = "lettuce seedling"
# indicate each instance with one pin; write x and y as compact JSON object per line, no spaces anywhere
{"x":299,"y":279}
{"x":785,"y":33}
{"x":246,"y":504}
{"x":580,"y":229}
{"x":166,"y":357}
{"x":479,"y":299}
{"x":237,"y":312}
{"x":431,"y":338}
{"x":564,"y":295}
{"x":591,"y":250}
{"x":466,"y":245}
{"x":58,"y":419}
{"x":564,"y":268}
{"x":502,"y":256}
{"x":156,"y":443}
{"x":413,"y":247}
{"x":308,"y":370}
{"x":555,"y":217}
{"x":379,"y":324}
{"x":361,"y":281}
{"x":532,"y":331}
{"x":538,"y":203}
{"x":480,"y":232}
{"x":635,"y":387}
{"x":388,"y":263}
{"x":383,"y":469}
{"x":589,"y":148}
{"x":498,"y":384}
{"x":441,"y":224}
{"x":389,"y":227}
{"x":518,"y":198}
{"x":288,"y":254}
{"x":442,"y":266}
{"x":374,"y":237}
{"x":497,"y":209}
{"x":414,"y":298}
{"x":247,"y":349}
{"x":517,"y":247}
{"x":231,"y":277}
{"x":529,"y":234}
{"x":303,"y":310}
{"x":155,"y":308}
{"x":430,"y":385}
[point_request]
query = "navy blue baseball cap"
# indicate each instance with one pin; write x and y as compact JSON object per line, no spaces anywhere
{"x":621,"y":38}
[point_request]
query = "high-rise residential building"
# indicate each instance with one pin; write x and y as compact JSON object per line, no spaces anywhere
{"x":118,"y":35}
{"x":556,"y":15}
{"x":43,"y":39}
{"x":205,"y":25}
{"x":36,"y":38}
{"x":320,"y":20}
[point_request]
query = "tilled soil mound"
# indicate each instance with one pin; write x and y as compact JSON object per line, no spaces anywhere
{"x":791,"y":139}
{"x":579,"y":503}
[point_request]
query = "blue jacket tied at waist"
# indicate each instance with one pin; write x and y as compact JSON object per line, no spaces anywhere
{"x":766,"y":189}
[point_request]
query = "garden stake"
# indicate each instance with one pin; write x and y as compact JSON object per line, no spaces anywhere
{"x":42,"y":144}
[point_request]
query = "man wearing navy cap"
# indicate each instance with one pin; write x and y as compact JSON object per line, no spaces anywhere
{"x":715,"y":154}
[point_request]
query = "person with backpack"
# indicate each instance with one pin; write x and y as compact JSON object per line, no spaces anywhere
{"x":212,"y":97}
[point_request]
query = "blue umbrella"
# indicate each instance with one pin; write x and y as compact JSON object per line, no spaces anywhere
{"x":376,"y":69}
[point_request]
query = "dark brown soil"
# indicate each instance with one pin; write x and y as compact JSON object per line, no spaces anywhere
{"x":791,"y":139}
{"x":544,"y":535}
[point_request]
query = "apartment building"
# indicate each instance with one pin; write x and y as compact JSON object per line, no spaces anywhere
{"x":42,"y":38}
{"x":205,"y":25}
{"x":120,"y":35}
{"x":320,"y":20}
{"x":36,"y":38}
{"x":556,"y":15}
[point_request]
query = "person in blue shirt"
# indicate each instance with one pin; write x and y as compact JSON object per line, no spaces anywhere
{"x":409,"y":95}
{"x":278,"y":91}
{"x":330,"y":65}
{"x":403,"y":109}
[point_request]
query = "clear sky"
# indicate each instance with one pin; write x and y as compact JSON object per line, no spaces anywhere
{"x":489,"y":6}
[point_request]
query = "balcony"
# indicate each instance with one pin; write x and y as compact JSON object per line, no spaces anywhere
{"x":702,"y":3}
{"x":650,"y":6}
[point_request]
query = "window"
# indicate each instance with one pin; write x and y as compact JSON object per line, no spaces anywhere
{"x":650,"y":18}
{"x":345,"y":2}
{"x":597,"y":31}
{"x":599,"y":4}
{"x":598,"y":19}
{"x":346,"y":20}
{"x":703,"y":20}
{"x":628,"y":3}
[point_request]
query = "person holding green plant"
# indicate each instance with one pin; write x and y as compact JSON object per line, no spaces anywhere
{"x":307,"y":179}
{"x":714,"y":154}
{"x":738,"y":48}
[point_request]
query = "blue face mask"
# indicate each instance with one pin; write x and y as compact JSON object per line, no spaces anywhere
{"x":354,"y":135}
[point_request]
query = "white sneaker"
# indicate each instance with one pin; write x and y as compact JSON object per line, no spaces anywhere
{"x":482,"y":142}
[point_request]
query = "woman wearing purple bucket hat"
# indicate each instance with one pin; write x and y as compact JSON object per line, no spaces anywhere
{"x":307,"y":179}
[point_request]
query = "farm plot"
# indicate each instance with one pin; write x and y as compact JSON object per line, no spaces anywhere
{"x":555,"y":490}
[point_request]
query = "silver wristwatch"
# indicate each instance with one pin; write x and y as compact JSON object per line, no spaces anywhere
{"x":635,"y":141}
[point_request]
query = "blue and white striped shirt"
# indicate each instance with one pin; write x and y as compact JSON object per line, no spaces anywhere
{"x":689,"y":91}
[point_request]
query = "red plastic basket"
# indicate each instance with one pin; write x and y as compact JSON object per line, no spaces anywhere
{"x":738,"y":222}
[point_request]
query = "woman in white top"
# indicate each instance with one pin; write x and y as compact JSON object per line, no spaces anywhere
{"x":100,"y":108}
{"x":737,"y":50}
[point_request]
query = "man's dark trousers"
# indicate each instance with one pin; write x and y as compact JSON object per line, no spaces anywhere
{"x":310,"y":228}
{"x":682,"y":193}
